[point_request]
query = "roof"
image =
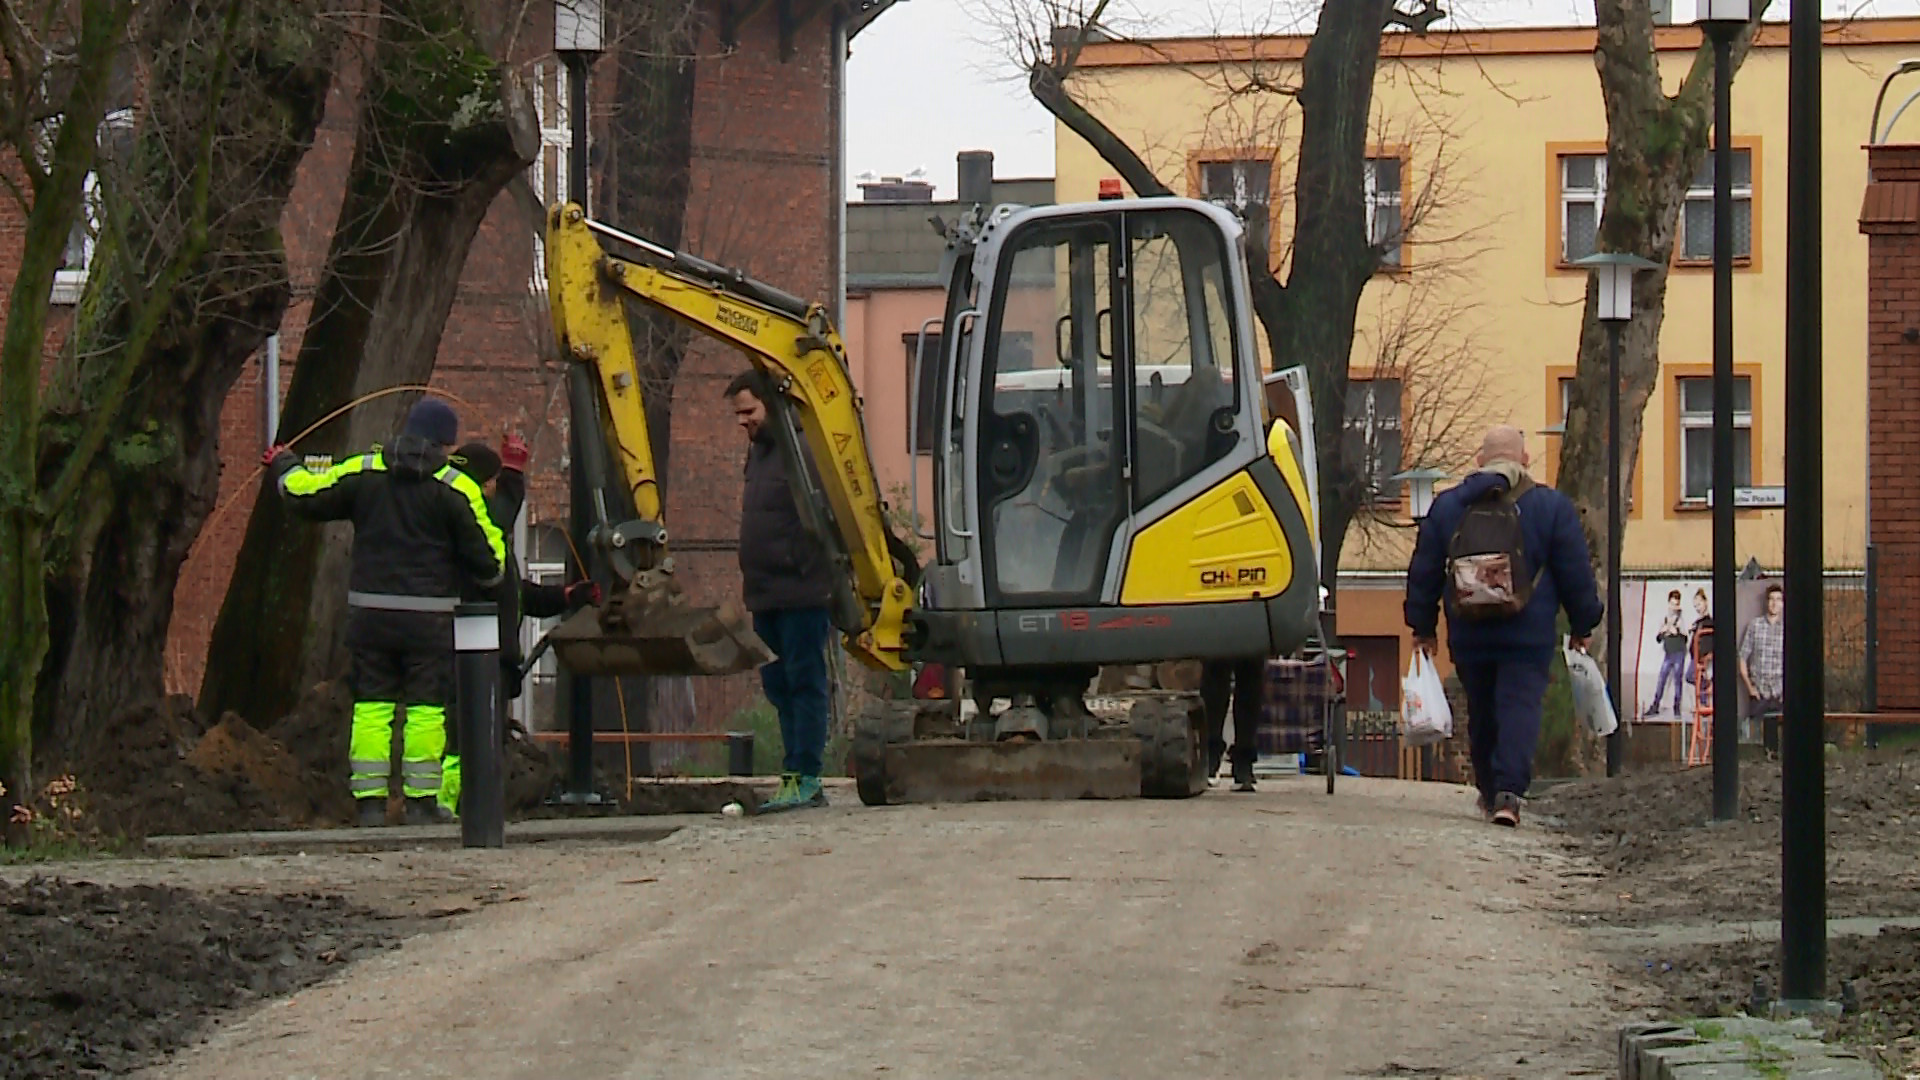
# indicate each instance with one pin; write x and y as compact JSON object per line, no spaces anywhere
{"x":1516,"y":41}
{"x":894,"y":245}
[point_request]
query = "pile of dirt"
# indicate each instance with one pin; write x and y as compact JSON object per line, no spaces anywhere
{"x":1650,"y":833}
{"x":1883,"y":970}
{"x":103,"y":980}
{"x":160,"y":770}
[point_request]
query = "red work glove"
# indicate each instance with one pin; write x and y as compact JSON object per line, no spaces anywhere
{"x":581,"y":593}
{"x":274,"y":451}
{"x":514,"y":453}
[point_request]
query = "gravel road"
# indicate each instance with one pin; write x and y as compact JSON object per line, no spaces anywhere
{"x":1383,"y":932}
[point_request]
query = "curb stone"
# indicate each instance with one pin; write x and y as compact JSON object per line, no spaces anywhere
{"x":1735,"y":1048}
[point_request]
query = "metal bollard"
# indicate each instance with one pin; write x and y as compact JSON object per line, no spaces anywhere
{"x":740,"y":753}
{"x":483,"y":795}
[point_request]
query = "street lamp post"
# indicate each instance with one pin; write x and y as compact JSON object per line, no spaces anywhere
{"x":1722,"y":21}
{"x":578,"y":39}
{"x":1613,"y":285}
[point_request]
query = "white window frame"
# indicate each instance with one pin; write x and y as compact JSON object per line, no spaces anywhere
{"x":1696,"y":193}
{"x":1242,"y":167}
{"x":1703,"y":421}
{"x":546,"y":671}
{"x":70,"y":282}
{"x":556,"y":138}
{"x":1595,"y":197}
{"x":1378,"y":200}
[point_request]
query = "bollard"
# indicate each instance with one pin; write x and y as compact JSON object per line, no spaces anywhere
{"x":740,"y":753}
{"x":483,"y":796}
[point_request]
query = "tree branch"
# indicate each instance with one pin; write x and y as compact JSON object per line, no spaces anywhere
{"x":159,"y":299}
{"x":1048,"y":84}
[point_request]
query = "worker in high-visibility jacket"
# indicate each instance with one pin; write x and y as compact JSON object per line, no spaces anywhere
{"x":521,"y":597}
{"x":421,"y":534}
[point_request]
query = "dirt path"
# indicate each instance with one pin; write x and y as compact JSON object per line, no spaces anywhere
{"x":1384,"y":932}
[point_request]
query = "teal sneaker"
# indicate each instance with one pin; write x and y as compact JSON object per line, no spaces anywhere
{"x":809,"y":793}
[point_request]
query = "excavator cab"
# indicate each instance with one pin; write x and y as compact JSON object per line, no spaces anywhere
{"x":1105,"y":491}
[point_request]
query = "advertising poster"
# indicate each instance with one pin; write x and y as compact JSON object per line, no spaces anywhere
{"x":1663,"y":679}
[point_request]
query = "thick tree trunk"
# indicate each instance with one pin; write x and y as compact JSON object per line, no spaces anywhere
{"x":420,"y":183}
{"x":1655,"y":145}
{"x":119,"y":548}
{"x":56,"y":191}
{"x":1332,"y":260}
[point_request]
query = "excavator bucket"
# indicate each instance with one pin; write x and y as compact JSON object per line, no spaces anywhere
{"x":651,"y":629}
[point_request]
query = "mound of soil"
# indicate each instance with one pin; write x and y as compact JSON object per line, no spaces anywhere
{"x":100,"y":980}
{"x":1649,"y":831}
{"x":1884,"y":971}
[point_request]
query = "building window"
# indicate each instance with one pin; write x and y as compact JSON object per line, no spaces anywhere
{"x":1240,"y":184}
{"x":549,"y":170}
{"x":1386,"y":221}
{"x":1696,"y":224}
{"x":1696,"y":436}
{"x":1371,"y":443}
{"x":1583,"y":191}
{"x":929,"y":386}
{"x":70,"y":280}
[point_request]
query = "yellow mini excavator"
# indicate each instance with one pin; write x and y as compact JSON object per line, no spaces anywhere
{"x":1108,"y":489}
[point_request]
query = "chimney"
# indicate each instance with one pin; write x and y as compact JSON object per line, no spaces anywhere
{"x":895,"y":189}
{"x":976,"y":177}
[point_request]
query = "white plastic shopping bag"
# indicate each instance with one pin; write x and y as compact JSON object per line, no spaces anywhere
{"x":1424,"y":711}
{"x":1590,"y":702}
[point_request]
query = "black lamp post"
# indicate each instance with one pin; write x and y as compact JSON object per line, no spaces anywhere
{"x":1803,"y":792}
{"x":1722,"y":21}
{"x":1613,"y":284}
{"x":578,"y":39}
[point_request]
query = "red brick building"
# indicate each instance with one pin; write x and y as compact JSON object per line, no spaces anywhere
{"x":766,"y":195}
{"x":1890,"y":217}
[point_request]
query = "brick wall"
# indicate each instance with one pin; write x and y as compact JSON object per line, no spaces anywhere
{"x":1890,"y":216}
{"x":761,"y":198}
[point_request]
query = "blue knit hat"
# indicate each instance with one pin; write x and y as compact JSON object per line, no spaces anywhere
{"x":433,"y":420}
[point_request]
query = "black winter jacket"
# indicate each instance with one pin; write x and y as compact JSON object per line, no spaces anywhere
{"x":420,"y":526}
{"x":781,"y":566}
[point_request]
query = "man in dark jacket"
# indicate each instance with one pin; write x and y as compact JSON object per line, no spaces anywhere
{"x":1502,"y":662}
{"x":788,"y":583}
{"x":421,"y":534}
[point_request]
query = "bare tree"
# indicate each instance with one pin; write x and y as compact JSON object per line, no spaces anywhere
{"x":1656,"y":142}
{"x":60,"y":60}
{"x":239,"y":87}
{"x":442,"y":128}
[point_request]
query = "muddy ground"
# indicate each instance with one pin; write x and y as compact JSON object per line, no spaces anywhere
{"x":1666,"y":878}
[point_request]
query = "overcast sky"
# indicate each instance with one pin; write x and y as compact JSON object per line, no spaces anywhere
{"x":933,"y":77}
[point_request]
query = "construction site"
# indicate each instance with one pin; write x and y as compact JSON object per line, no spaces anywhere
{"x":515,"y":559}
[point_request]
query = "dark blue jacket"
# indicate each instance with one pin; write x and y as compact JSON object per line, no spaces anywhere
{"x":1554,"y":543}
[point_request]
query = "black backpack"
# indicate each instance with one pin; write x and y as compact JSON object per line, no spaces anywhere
{"x":1487,"y":570}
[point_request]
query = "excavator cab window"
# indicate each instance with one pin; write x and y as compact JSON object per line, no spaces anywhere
{"x":1049,"y":480}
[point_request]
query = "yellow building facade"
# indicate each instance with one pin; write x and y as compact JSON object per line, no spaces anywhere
{"x":1488,"y":167}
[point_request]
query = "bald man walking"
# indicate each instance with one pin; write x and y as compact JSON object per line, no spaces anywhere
{"x":1503,"y":555}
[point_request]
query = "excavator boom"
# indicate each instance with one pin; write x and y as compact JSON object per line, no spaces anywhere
{"x":816,"y":414}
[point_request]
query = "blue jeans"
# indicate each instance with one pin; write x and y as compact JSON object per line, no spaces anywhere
{"x":1504,"y":698}
{"x":796,"y":682}
{"x":1674,"y":667}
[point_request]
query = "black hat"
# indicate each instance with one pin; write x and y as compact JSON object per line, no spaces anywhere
{"x":477,"y":460}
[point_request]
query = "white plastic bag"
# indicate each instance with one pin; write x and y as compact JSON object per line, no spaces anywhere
{"x":1424,"y":711}
{"x":1590,"y":702}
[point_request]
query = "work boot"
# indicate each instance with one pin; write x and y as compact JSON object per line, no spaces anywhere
{"x":1506,"y":810}
{"x":370,"y":813}
{"x":1243,"y":775}
{"x":422,"y":810}
{"x":1485,"y":803}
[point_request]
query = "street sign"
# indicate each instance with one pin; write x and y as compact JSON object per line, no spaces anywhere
{"x":1756,"y":498}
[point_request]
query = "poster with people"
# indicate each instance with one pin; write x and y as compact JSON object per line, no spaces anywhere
{"x":1665,"y":678}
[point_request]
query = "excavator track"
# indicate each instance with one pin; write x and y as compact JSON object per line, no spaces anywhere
{"x":1147,"y":745}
